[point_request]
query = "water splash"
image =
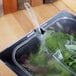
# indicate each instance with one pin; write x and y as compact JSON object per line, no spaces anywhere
{"x":36,"y":24}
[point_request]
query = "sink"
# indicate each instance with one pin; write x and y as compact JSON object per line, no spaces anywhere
{"x":63,"y":21}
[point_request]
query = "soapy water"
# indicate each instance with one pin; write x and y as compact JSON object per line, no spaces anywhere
{"x":36,"y":24}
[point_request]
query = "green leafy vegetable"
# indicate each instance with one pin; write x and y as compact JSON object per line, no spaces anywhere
{"x":55,"y":41}
{"x":58,"y":40}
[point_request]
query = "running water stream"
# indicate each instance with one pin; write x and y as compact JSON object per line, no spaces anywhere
{"x":36,"y":24}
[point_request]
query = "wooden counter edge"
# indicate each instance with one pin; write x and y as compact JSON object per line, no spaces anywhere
{"x":5,"y":70}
